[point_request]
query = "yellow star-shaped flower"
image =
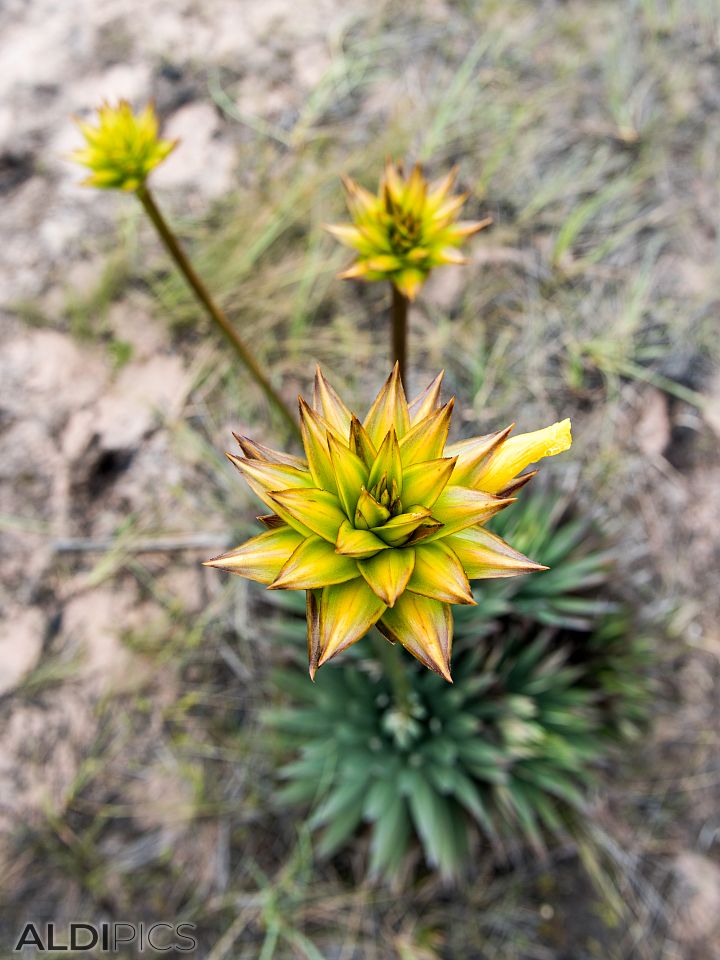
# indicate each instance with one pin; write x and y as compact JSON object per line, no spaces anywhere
{"x":122,"y":149}
{"x":381,"y":522}
{"x":405,"y":230}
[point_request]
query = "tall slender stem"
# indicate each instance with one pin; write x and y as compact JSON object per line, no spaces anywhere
{"x":390,"y":657}
{"x":399,"y":331}
{"x":215,"y":313}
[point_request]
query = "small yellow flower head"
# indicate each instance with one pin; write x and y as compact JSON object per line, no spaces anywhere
{"x":123,"y":148}
{"x":380,"y":522}
{"x":410,"y":227}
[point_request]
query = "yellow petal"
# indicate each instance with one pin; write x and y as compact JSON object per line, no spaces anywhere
{"x":426,"y":402}
{"x":258,"y":451}
{"x":347,"y":611}
{"x":486,"y":556}
{"x":387,"y":464}
{"x":263,"y":478}
{"x":312,"y":612}
{"x":388,"y":573}
{"x":272,"y":476}
{"x":314,"y":563}
{"x":346,"y":233}
{"x":439,"y":189}
{"x":397,"y":531}
{"x":315,"y":431}
{"x":473,"y":454}
{"x":415,"y":192}
{"x":350,"y":472}
{"x":369,"y":512}
{"x":327,"y":402}
{"x":389,"y":410}
{"x":315,"y":509}
{"x":359,"y":544}
{"x":361,"y":444}
{"x":359,"y":199}
{"x":516,"y":453}
{"x":466,"y":228}
{"x":423,"y":627}
{"x":460,"y":507}
{"x":409,"y":281}
{"x":424,"y":482}
{"x":426,"y":440}
{"x":439,"y":574}
{"x":262,"y":557}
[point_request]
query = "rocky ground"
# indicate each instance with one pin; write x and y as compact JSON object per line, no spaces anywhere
{"x":128,"y":766}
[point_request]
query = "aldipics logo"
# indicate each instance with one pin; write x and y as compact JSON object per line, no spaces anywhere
{"x":107,"y":937}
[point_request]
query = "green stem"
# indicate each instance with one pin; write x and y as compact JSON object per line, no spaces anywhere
{"x":215,"y":313}
{"x":390,"y":656}
{"x":399,"y":331}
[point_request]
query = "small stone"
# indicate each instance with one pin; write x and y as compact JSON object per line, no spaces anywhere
{"x":20,"y":645}
{"x":697,"y":898}
{"x":652,"y":429}
{"x":202,"y":160}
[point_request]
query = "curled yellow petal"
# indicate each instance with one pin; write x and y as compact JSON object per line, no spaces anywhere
{"x":519,"y":452}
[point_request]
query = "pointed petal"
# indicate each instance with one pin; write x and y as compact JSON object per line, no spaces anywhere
{"x":355,"y":271}
{"x":369,"y":512}
{"x":460,"y":507}
{"x":466,"y":228}
{"x":424,"y":482}
{"x":347,"y":611}
{"x":519,"y":452}
{"x":271,"y":476}
{"x":258,"y":451}
{"x":388,"y":573}
{"x":439,"y":574}
{"x":415,"y":192}
{"x":397,"y":531}
{"x":359,"y":544}
{"x":423,"y":627}
{"x":314,"y":563}
{"x":315,"y":432}
{"x":315,"y":509}
{"x":387,"y":463}
{"x":426,"y":440}
{"x":346,"y":233}
{"x":327,"y":402}
{"x":312,"y":613}
{"x":263,"y":478}
{"x":262,"y":557}
{"x":409,"y":281}
{"x":359,"y":199}
{"x":486,"y":556}
{"x":350,"y":472}
{"x":440,"y":188}
{"x":361,"y":444}
{"x":389,"y":410}
{"x":426,"y":402}
{"x":473,"y":455}
{"x":271,"y":520}
{"x":517,"y":484}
